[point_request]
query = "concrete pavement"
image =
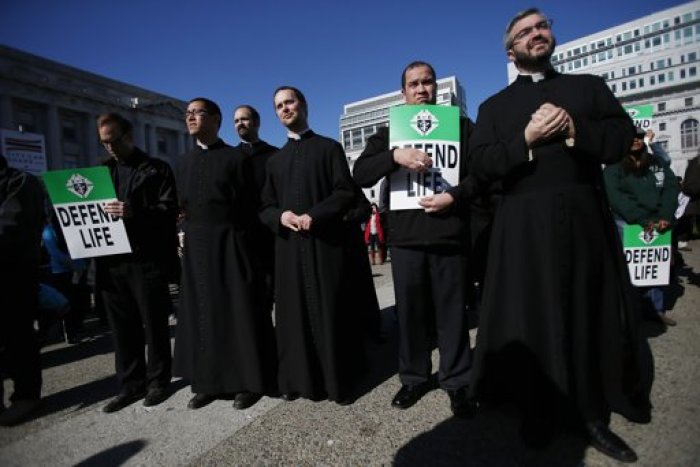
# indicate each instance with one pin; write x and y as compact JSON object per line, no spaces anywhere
{"x":70,"y":428}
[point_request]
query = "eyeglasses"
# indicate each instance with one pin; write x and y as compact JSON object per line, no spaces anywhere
{"x":544,"y":25}
{"x":195,"y":113}
{"x":113,"y":142}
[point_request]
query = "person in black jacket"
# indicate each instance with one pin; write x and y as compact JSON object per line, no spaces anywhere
{"x":428,"y":260}
{"x":21,"y":222}
{"x":134,"y":286}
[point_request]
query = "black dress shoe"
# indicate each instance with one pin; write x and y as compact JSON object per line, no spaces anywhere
{"x":290,"y":396}
{"x":244,"y":400}
{"x":122,"y":400}
{"x":155,"y":396}
{"x":460,"y":403}
{"x":409,"y":395}
{"x":200,"y":400}
{"x":609,"y":443}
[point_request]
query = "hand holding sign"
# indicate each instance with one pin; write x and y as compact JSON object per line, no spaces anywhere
{"x":437,"y":203}
{"x":412,"y":159}
{"x":117,"y":208}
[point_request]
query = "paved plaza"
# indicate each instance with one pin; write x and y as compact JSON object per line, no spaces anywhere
{"x":70,"y":428}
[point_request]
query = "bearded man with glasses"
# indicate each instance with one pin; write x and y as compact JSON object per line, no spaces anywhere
{"x":558,"y":332}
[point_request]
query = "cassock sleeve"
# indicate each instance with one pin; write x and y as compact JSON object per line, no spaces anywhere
{"x":376,"y":160}
{"x":344,"y":190}
{"x":606,"y":133}
{"x":270,"y":212}
{"x":490,"y":157}
{"x":469,"y":185}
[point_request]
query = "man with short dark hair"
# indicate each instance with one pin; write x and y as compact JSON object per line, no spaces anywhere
{"x":324,"y":292}
{"x":224,"y":342}
{"x":558,"y":332}
{"x":428,"y":254}
{"x":246,"y":120}
{"x":134,"y":286}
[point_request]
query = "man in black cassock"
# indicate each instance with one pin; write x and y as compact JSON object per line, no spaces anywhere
{"x":557,"y":326}
{"x":323,"y":291}
{"x":134,"y":286}
{"x":428,"y":254}
{"x":246,"y":120}
{"x":224,"y":343}
{"x":21,"y":221}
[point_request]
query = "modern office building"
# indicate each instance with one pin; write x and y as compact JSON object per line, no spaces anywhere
{"x":651,"y":60}
{"x":40,"y":96}
{"x":361,"y":119}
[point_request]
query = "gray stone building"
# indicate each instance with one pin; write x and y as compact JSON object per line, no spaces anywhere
{"x":62,"y":103}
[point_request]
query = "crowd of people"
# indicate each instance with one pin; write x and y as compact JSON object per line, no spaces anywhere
{"x":559,"y":322}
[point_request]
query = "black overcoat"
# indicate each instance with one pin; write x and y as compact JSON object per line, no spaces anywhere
{"x":224,"y":340}
{"x":322,"y":288}
{"x":557,"y":306}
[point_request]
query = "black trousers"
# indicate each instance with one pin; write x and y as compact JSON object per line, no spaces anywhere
{"x":137,"y":303}
{"x":430,"y":294}
{"x":19,"y":349}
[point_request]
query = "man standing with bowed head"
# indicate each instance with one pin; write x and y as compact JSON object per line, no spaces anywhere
{"x":224,"y":343}
{"x":324,"y":292}
{"x":246,"y":120}
{"x":558,"y":332}
{"x":428,"y":254}
{"x":134,"y":287}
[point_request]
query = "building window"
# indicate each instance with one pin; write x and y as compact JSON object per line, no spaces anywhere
{"x":624,"y":86}
{"x":662,"y":126}
{"x":689,"y":134}
{"x":614,"y":88}
{"x":682,"y":73}
{"x":692,"y":71}
{"x":641,"y":82}
{"x":662,"y":78}
{"x":661,"y":107}
{"x":652,"y":80}
{"x":688,"y":101}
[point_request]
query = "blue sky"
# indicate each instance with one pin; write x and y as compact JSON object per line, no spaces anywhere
{"x":336,"y":52}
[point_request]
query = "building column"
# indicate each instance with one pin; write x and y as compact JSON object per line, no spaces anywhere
{"x":94,"y":150}
{"x":6,"y":120}
{"x":152,"y":149}
{"x":54,"y":152}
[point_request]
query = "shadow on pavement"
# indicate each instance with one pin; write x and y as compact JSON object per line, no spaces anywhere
{"x":97,"y":344}
{"x":382,"y":356}
{"x":491,"y":438}
{"x":116,"y":455}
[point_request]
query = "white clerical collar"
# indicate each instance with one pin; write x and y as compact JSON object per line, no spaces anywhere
{"x":205,"y":146}
{"x":537,"y":76}
{"x":297,"y":136}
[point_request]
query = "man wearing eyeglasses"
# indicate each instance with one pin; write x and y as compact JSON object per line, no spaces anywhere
{"x":224,"y":343}
{"x":558,"y":332}
{"x":246,"y":121}
{"x":134,"y":287}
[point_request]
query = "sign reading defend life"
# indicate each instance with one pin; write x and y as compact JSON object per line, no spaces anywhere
{"x":648,"y":255}
{"x":78,"y":196}
{"x":433,"y":129}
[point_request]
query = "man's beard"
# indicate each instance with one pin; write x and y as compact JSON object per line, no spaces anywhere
{"x":535,"y":63}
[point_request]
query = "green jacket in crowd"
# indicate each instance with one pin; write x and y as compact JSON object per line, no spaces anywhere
{"x":642,"y":197}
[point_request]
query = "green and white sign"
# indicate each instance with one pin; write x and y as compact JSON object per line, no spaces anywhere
{"x":433,"y":129}
{"x":648,"y":255}
{"x":642,"y":115}
{"x":78,"y":196}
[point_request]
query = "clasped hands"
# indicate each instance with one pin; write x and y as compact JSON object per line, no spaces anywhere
{"x":548,"y":121}
{"x":295,"y":222}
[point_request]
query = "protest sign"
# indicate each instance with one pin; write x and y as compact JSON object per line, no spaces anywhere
{"x":78,"y":197}
{"x":433,"y":129}
{"x":648,"y":255}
